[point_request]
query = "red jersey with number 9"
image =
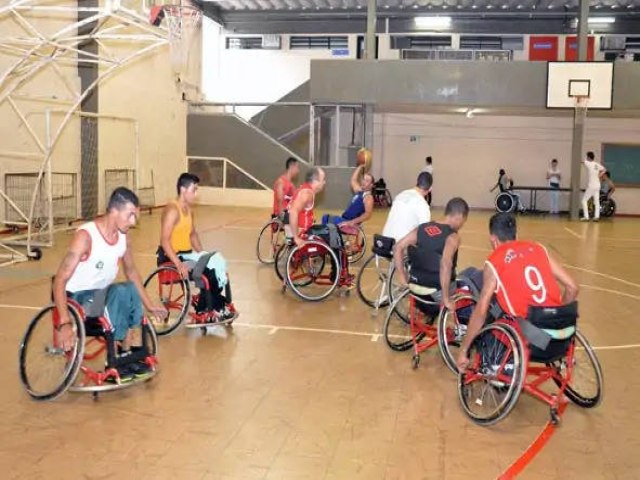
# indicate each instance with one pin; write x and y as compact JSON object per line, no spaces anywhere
{"x":524,"y":277}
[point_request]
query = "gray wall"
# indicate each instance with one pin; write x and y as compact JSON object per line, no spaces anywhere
{"x":451,"y":83}
{"x":278,"y":120}
{"x":226,"y":135}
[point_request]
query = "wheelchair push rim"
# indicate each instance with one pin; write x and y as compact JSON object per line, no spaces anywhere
{"x":270,"y":239}
{"x":313,"y":271}
{"x":491,"y":384}
{"x":165,"y":286}
{"x":46,"y":370}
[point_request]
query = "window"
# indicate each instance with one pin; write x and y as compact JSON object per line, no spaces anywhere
{"x":298,"y":42}
{"x":488,"y":42}
{"x":420,"y":41}
{"x":244,"y":43}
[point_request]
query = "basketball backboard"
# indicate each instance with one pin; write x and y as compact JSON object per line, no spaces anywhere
{"x":590,"y":81}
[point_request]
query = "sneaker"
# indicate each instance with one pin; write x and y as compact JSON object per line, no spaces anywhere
{"x":139,"y":369}
{"x":125,"y":373}
{"x":230,"y":312}
{"x":584,"y":219}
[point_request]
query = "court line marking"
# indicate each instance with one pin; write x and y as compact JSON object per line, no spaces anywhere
{"x":575,"y":234}
{"x":374,"y":336}
{"x":608,"y":290}
{"x":604,"y":275}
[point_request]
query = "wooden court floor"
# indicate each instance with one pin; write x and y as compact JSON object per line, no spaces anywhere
{"x":310,"y":390}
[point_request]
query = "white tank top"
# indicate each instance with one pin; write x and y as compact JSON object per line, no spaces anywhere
{"x":100,"y":268}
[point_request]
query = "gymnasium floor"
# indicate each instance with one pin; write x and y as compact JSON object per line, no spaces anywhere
{"x":304,"y":390}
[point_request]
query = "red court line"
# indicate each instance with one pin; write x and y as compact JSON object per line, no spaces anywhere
{"x":532,"y":450}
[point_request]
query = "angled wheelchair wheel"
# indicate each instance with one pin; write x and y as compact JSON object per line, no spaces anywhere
{"x":166,"y":286}
{"x":586,"y":382}
{"x":355,"y":244}
{"x":270,"y":240}
{"x":313,"y":271}
{"x":387,"y":198}
{"x":280,"y":261}
{"x":397,"y":329}
{"x":46,"y":370}
{"x":452,"y":327}
{"x":371,"y":282}
{"x":394,"y":289}
{"x":490,"y":386}
{"x":607,"y":207}
{"x":505,"y":202}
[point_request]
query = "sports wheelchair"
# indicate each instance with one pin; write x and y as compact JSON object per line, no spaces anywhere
{"x":381,"y":194}
{"x":316,"y":268}
{"x":47,"y":370}
{"x":271,"y":238}
{"x":607,"y":206}
{"x":512,"y":355}
{"x":417,"y":319}
{"x":506,"y":202}
{"x":166,"y":286}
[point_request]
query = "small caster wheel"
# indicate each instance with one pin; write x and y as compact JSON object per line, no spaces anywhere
{"x":35,"y":254}
{"x":555,"y":418}
{"x":283,"y":290}
{"x":204,"y":331}
{"x":415,"y":361}
{"x":95,"y":396}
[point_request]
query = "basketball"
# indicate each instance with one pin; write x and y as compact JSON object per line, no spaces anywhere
{"x":365,"y":158}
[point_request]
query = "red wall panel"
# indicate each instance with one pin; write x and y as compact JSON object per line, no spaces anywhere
{"x":543,"y":48}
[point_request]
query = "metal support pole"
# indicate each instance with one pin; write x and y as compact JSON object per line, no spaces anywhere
{"x":336,"y":159}
{"x":312,"y":134}
{"x":370,"y":42}
{"x":579,"y":117}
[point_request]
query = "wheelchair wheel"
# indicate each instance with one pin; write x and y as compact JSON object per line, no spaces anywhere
{"x":371,"y":282}
{"x":397,"y":329}
{"x":313,"y":271}
{"x":394,"y":289}
{"x":270,"y":240}
{"x":46,"y":370}
{"x":490,"y":386}
{"x":165,"y":286}
{"x":280,"y":260}
{"x":607,"y":207}
{"x":505,"y":203}
{"x":355,"y":245}
{"x":387,"y":198}
{"x":452,"y":327}
{"x":585,"y":388}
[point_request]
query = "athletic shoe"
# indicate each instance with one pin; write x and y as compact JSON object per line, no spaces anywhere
{"x":584,"y":219}
{"x":229,"y":313}
{"x":139,"y":369}
{"x":125,"y":373}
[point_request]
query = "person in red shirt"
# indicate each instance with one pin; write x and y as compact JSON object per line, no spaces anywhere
{"x":520,"y":273}
{"x":283,"y":187}
{"x":301,"y":206}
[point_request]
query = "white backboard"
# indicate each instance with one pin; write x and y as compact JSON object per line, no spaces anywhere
{"x":566,"y":80}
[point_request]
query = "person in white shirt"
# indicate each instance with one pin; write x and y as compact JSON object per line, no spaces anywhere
{"x":409,"y":209}
{"x":594,"y":173}
{"x":429,"y":169}
{"x":554,"y":177}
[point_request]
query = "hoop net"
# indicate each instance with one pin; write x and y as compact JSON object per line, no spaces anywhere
{"x":182,"y":21}
{"x":581,"y":102}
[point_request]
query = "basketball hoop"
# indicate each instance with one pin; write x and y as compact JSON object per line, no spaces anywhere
{"x":182,"y":21}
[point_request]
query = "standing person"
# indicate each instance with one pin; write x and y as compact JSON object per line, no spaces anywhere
{"x":594,"y":173}
{"x":409,"y":209}
{"x":554,"y":177}
{"x":283,"y":187}
{"x":91,"y":265}
{"x":429,"y":169}
{"x":181,"y":245}
{"x":301,"y":206}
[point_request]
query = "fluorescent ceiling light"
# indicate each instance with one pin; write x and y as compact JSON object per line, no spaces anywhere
{"x":432,"y":22}
{"x":602,"y":20}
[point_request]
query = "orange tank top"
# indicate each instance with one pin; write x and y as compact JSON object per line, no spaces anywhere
{"x":524,"y":276}
{"x":181,"y":234}
{"x":288,"y":190}
{"x":305,"y":216}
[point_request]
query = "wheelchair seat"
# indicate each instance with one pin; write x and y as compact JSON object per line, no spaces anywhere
{"x":550,"y":330}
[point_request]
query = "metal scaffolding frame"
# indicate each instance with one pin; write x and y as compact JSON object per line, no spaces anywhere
{"x":37,"y":51}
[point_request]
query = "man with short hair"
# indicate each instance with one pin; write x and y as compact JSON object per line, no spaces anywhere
{"x":520,"y":273}
{"x":181,"y":245}
{"x":409,"y":209}
{"x":434,"y":257}
{"x":283,"y":187}
{"x":594,"y":174}
{"x":301,"y":206}
{"x":360,"y":208}
{"x":91,"y":265}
